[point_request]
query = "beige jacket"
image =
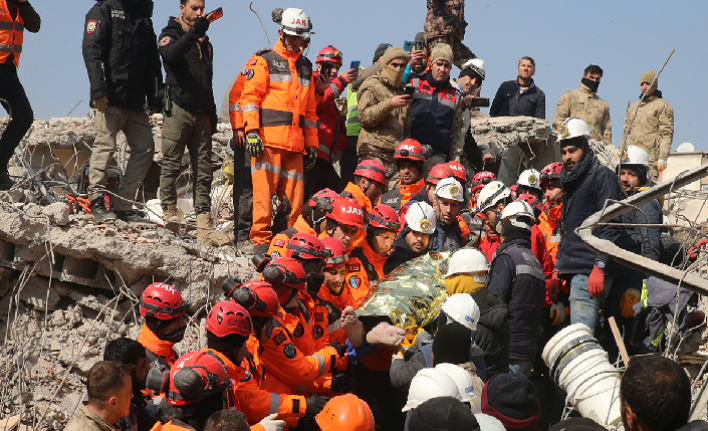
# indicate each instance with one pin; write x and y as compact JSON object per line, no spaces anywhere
{"x":86,"y":420}
{"x":653,"y":129}
{"x":478,"y":385}
{"x":383,"y":126}
{"x":584,"y":104}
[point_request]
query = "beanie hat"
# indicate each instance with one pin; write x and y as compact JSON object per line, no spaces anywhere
{"x":393,"y":53}
{"x":443,"y":414}
{"x":488,"y":423}
{"x":380,"y":51}
{"x":648,"y":77}
{"x":512,"y":399}
{"x":576,"y":424}
{"x":641,"y":172}
{"x":452,"y":344}
{"x":509,"y":230}
{"x":442,"y":51}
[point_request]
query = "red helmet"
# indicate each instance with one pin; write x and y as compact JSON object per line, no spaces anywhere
{"x":287,"y":272}
{"x":440,"y":172}
{"x":531,"y":200}
{"x":385,"y":217}
{"x":513,"y":191}
{"x":323,"y":198}
{"x":410,"y":149}
{"x":551,"y":172}
{"x":459,"y":170}
{"x":306,"y":246}
{"x":346,"y":211}
{"x":481,"y":179}
{"x":371,"y":169}
{"x":162,"y":301}
{"x":329,"y":54}
{"x":265,"y":299}
{"x":194,"y":377}
{"x":340,"y":254}
{"x":228,"y":318}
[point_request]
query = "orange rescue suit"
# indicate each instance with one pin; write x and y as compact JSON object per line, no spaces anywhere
{"x":279,"y":243}
{"x":364,"y":267}
{"x":11,"y":34}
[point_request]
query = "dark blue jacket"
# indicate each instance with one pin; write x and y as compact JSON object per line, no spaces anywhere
{"x":433,"y":112}
{"x":517,"y":278}
{"x":586,"y":189}
{"x":446,"y":238}
{"x":510,"y":102}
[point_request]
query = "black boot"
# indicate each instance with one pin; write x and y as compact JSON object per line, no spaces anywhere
{"x":6,"y":182}
{"x":98,"y":210}
{"x":130,"y":217}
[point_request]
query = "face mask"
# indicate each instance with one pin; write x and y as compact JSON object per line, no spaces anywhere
{"x":592,"y":85}
{"x":394,"y":75}
{"x":173,"y":336}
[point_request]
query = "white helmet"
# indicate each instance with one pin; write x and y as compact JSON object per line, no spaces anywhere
{"x":421,"y":218}
{"x":572,"y":128}
{"x":517,"y":212}
{"x":430,"y":383}
{"x":476,"y":64}
{"x":463,"y":380}
{"x":530,"y":178}
{"x":491,"y":194}
{"x":634,"y":155}
{"x":468,"y":261}
{"x":463,"y":309}
{"x":449,"y":188}
{"x":294,"y":22}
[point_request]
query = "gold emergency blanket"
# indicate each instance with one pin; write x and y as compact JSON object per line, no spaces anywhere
{"x":411,"y":295}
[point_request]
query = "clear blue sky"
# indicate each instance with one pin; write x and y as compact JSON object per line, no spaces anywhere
{"x":625,"y":38}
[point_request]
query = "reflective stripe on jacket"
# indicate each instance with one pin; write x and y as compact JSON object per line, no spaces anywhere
{"x":11,"y":34}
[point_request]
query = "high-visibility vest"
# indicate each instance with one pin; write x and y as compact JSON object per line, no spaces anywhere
{"x":11,"y":34}
{"x":353,"y":123}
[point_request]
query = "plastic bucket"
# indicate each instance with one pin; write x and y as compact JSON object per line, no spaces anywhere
{"x":564,"y":340}
{"x":599,"y":400}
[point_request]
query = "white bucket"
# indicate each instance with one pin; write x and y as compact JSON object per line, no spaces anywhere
{"x":564,"y":339}
{"x":598,"y":399}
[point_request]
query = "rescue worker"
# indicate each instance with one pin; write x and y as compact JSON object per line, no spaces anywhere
{"x":334,"y":289}
{"x":436,"y":113}
{"x":583,"y":176}
{"x":346,"y":412}
{"x":414,"y":239}
{"x":447,"y":205}
{"x":278,"y":129}
{"x":653,"y":128}
{"x":384,"y":112}
{"x":585,"y":104}
{"x":191,"y":118}
{"x":528,"y":183}
{"x":15,"y":17}
{"x":491,"y":202}
{"x":366,"y":263}
{"x":479,"y":180}
{"x":124,"y":69}
{"x":410,"y":156}
{"x":445,"y":23}
{"x":332,"y":134}
{"x":516,"y":276}
{"x":473,"y":220}
{"x":369,"y":183}
{"x":552,"y":209}
{"x":436,"y":174}
{"x":163,"y":309}
{"x":344,"y":221}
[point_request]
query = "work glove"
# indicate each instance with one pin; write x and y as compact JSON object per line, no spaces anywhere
{"x":343,"y":383}
{"x":596,"y":282}
{"x":555,"y":286}
{"x":661,"y":165}
{"x":310,"y":158}
{"x":627,"y":301}
{"x":101,"y":104}
{"x":269,"y":423}
{"x":254,"y":144}
{"x":340,"y":348}
{"x":692,"y":252}
{"x":315,"y":404}
{"x":200,"y":27}
{"x":558,"y":313}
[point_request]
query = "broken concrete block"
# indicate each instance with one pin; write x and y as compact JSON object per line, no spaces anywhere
{"x":150,"y":234}
{"x":39,"y":295}
{"x":109,"y":231}
{"x":33,"y":209}
{"x":58,"y":213}
{"x":9,"y":424}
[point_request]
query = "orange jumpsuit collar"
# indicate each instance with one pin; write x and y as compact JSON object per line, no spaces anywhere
{"x":374,"y":258}
{"x":162,"y":348}
{"x":360,"y":197}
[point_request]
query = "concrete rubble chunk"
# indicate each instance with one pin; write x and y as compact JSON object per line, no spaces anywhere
{"x":58,"y":213}
{"x":39,"y":295}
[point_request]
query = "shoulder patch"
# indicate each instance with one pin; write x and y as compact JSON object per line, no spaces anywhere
{"x":91,"y":26}
{"x":299,"y":330}
{"x":305,"y":70}
{"x":354,"y":267}
{"x":280,"y":338}
{"x":319,"y":332}
{"x":319,"y":317}
{"x":289,"y":351}
{"x":250,"y":74}
{"x":279,"y":243}
{"x":355,"y":281}
{"x":275,"y":255}
{"x":165,"y":40}
{"x":245,"y":71}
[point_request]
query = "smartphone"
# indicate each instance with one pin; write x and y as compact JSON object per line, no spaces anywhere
{"x":355,"y":64}
{"x":408,"y":46}
{"x":214,"y":15}
{"x":409,"y":90}
{"x":326,"y":69}
{"x":480,"y":101}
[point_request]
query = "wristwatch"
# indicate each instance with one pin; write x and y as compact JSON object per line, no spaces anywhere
{"x":600,"y":264}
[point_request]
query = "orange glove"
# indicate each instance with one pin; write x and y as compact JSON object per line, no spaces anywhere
{"x":596,"y":282}
{"x":630,"y":297}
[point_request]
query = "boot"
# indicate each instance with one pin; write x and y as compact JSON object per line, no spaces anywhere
{"x":98,"y":211}
{"x":171,"y":218}
{"x":207,"y":235}
{"x":6,"y":182}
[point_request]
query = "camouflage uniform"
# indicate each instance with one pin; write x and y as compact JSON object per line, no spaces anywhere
{"x":652,"y":130}
{"x":445,"y":23}
{"x":584,"y":104}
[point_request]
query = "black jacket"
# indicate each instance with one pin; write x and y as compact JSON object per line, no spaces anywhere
{"x":586,"y":188}
{"x":493,"y":334}
{"x":510,"y":102}
{"x":120,"y":52}
{"x":433,"y":112}
{"x":189,"y":68}
{"x":401,"y":253}
{"x":446,"y":238}
{"x":517,"y":277}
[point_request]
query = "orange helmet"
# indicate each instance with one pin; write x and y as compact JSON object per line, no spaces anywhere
{"x":346,"y":412}
{"x":162,"y":301}
{"x":439,"y":172}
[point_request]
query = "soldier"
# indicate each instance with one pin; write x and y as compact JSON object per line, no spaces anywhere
{"x":653,"y":129}
{"x":445,"y":23}
{"x":583,"y":103}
